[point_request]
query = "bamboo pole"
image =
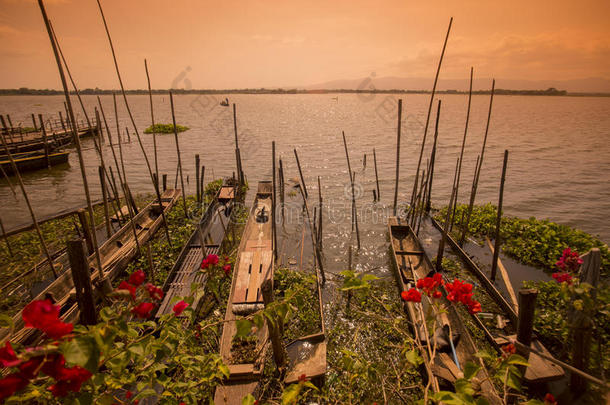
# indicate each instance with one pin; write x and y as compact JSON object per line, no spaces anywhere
{"x":274,"y":202}
{"x":98,"y":147}
{"x":314,"y":240}
{"x":475,"y":184}
{"x":237,"y":154}
{"x":423,"y":144}
{"x":34,"y":122}
{"x":494,"y":263}
{"x":135,"y":127}
{"x":201,"y":185}
{"x":281,"y":175}
{"x":197,"y":190}
{"x":5,"y":237}
{"x":398,"y":130}
{"x":301,"y":174}
{"x":8,"y":180}
{"x":27,"y":201}
{"x":433,"y":158}
{"x":152,"y":122}
{"x":378,"y":196}
{"x":441,"y":244}
{"x":462,"y":149}
{"x":355,"y":210}
{"x":320,"y":216}
{"x":74,"y":133}
{"x":105,"y":199}
{"x":128,"y":136}
{"x":44,"y":141}
{"x":171,"y":101}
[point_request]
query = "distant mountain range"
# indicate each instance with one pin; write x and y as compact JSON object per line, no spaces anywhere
{"x":588,"y":85}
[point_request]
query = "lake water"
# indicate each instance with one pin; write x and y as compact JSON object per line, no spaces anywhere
{"x":558,"y":169}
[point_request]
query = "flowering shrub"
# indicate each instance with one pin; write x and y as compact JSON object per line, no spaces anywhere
{"x":458,"y":291}
{"x":123,"y":359}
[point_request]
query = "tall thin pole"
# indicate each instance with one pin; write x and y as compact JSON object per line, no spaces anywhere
{"x":398,"y":130}
{"x":494,"y":263}
{"x":27,"y":201}
{"x":355,"y":211}
{"x":44,"y":140}
{"x":5,"y":237}
{"x":433,"y":157}
{"x":376,"y":174}
{"x":133,"y":123}
{"x":441,"y":244}
{"x":320,"y":216}
{"x":237,"y":153}
{"x":274,"y":201}
{"x":152,"y":121}
{"x":171,"y":102}
{"x":462,"y":149}
{"x":105,"y":199}
{"x":475,"y":184}
{"x":301,"y":173}
{"x":75,"y":135}
{"x":423,"y":143}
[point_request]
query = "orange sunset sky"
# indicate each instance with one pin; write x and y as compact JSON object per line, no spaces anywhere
{"x":238,"y":44}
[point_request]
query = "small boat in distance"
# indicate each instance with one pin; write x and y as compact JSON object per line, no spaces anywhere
{"x":225,"y":102}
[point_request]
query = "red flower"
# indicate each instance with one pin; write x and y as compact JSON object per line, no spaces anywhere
{"x":460,"y":291}
{"x":128,"y":394}
{"x":563,"y":278}
{"x":429,"y":284}
{"x":569,"y":261}
{"x":549,"y":399}
{"x":31,"y":368}
{"x":155,"y":292}
{"x":11,"y":384}
{"x":412,"y":295}
{"x":474,"y":307}
{"x":437,"y":294}
{"x":137,"y":278}
{"x":179,"y":307}
{"x":143,"y":310}
{"x":509,"y":349}
{"x":204,"y":264}
{"x":128,"y":287}
{"x":70,"y":379}
{"x":8,"y":357}
{"x":302,"y":378}
{"x":54,"y":365}
{"x":227,"y":269}
{"x":212,"y":259}
{"x":43,"y":315}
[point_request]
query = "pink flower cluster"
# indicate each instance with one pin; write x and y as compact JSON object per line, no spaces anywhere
{"x":569,"y":262}
{"x":213,"y":260}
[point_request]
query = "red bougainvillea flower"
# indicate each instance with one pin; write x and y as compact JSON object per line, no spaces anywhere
{"x":563,"y":278}
{"x":11,"y":384}
{"x":460,"y":291}
{"x":128,"y":395}
{"x":302,"y":378}
{"x":155,"y":292}
{"x":43,"y":315}
{"x":137,"y":278}
{"x":412,"y":295}
{"x":205,"y":264}
{"x":212,"y":259}
{"x":69,"y":380}
{"x":128,"y":287}
{"x":509,"y":349}
{"x":143,"y":310}
{"x":179,"y":307}
{"x":569,"y":261}
{"x":8,"y":357}
{"x":549,"y":399}
{"x":227,"y":269}
{"x":429,"y":284}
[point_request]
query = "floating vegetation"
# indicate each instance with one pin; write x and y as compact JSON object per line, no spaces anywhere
{"x":165,"y":129}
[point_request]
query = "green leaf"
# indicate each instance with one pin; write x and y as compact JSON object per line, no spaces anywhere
{"x":82,"y":351}
{"x":291,"y":394}
{"x":6,"y":321}
{"x":243,"y":327}
{"x":413,"y":357}
{"x":470,"y":370}
{"x":515,"y":359}
{"x":248,"y":400}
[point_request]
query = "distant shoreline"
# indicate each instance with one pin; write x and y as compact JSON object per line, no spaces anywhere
{"x":549,"y":92}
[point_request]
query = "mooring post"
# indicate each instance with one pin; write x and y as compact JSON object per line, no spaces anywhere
{"x":201,"y":185}
{"x":319,"y":238}
{"x":198,"y":192}
{"x":428,"y":203}
{"x":237,"y":154}
{"x":355,"y":210}
{"x":171,"y":101}
{"x":8,"y":245}
{"x":399,"y":126}
{"x":279,"y":352}
{"x":128,"y":136}
{"x":82,"y":218}
{"x":525,"y":323}
{"x":61,"y":119}
{"x":164,"y":182}
{"x":274,"y":202}
{"x":44,"y":141}
{"x":466,"y":214}
{"x":100,"y":171}
{"x":301,"y":173}
{"x":34,"y":122}
{"x":378,"y":196}
{"x":81,"y":275}
{"x":281,"y":178}
{"x":441,"y":244}
{"x":494,"y":263}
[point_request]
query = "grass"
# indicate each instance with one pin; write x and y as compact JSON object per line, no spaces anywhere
{"x":165,"y":129}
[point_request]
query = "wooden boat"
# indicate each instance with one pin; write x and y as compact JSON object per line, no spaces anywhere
{"x":502,"y":323}
{"x":31,"y":161}
{"x":33,"y":141}
{"x":454,"y":344}
{"x":115,"y":253}
{"x":253,"y":266}
{"x":206,"y":239}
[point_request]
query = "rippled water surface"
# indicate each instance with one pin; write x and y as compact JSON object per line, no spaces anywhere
{"x":559,"y":161}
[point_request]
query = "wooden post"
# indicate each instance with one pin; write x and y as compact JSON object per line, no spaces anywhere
{"x":152,"y":121}
{"x":128,"y":136}
{"x":61,"y":119}
{"x":171,"y":101}
{"x":423,"y":143}
{"x":8,"y":245}
{"x":281,"y":176}
{"x":433,"y":157}
{"x":355,"y":210}
{"x":378,"y":196}
{"x":274,"y":202}
{"x":320,"y":216}
{"x":44,"y":140}
{"x":34,"y":122}
{"x":164,"y":182}
{"x":198,"y":191}
{"x":301,"y":174}
{"x":201,"y":185}
{"x":151,"y":264}
{"x":81,"y":275}
{"x":525,"y":323}
{"x":494,"y":263}
{"x":237,"y":154}
{"x":441,"y":244}
{"x":398,"y":130}
{"x":279,"y":352}
{"x":132,"y":201}
{"x":105,"y":199}
{"x":82,"y":218}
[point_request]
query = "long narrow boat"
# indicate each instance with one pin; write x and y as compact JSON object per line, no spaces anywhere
{"x":30,"y":161}
{"x":454,"y":344}
{"x":253,"y":266}
{"x":207,"y":239}
{"x":502,"y":324}
{"x":115,"y":253}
